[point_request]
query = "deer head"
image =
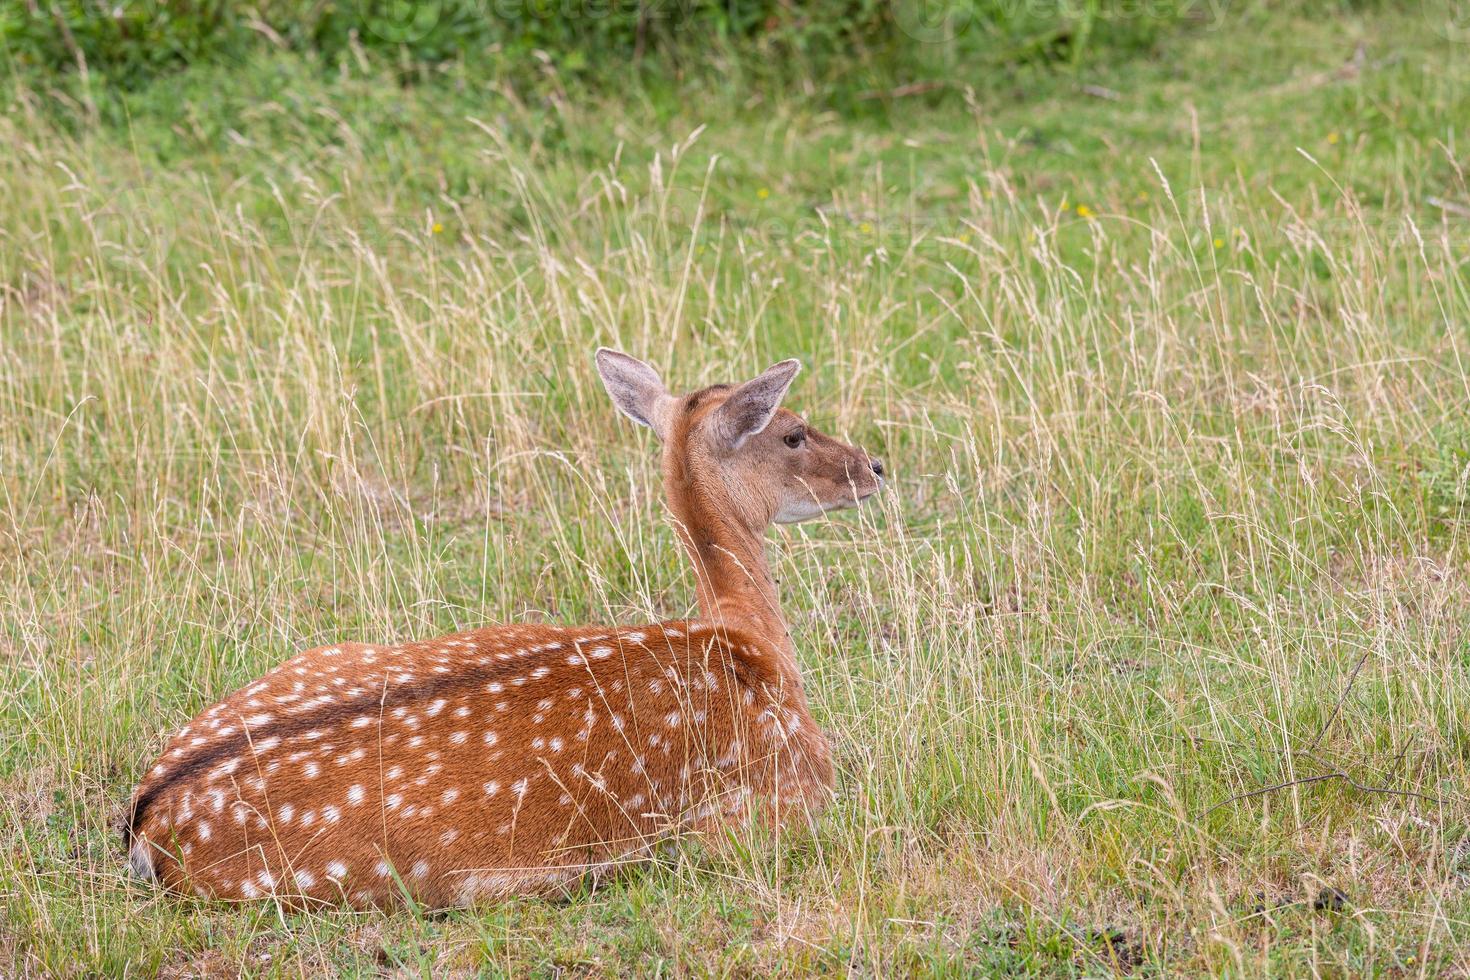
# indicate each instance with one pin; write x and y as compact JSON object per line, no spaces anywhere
{"x":736,"y":448}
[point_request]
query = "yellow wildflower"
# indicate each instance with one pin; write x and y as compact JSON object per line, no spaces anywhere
{"x":1332,"y":138}
{"x":763,"y":193}
{"x":1083,"y":211}
{"x":438,"y":228}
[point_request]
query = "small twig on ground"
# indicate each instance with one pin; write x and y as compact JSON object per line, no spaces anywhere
{"x":1101,"y":92}
{"x":1323,"y":777}
{"x":902,"y":91}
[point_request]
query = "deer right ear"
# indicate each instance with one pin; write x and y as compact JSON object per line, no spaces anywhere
{"x":750,"y":407}
{"x":636,"y":389}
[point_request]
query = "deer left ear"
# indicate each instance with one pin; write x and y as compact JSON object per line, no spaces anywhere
{"x":636,"y":389}
{"x":750,"y":409}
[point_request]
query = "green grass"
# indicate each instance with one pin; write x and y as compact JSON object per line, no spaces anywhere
{"x":1173,"y":386}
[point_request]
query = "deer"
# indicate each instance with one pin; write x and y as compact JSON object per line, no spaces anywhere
{"x":522,"y":759}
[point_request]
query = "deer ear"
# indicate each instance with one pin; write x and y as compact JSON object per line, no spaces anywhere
{"x":636,"y":389}
{"x":750,"y":408}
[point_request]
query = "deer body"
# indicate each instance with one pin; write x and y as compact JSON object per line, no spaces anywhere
{"x":519,"y":759}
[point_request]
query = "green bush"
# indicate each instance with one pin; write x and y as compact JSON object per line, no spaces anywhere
{"x":129,"y":41}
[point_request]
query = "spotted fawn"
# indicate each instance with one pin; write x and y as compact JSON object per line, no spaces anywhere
{"x":519,"y":759}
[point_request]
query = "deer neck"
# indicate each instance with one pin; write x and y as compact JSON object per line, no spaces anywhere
{"x":733,"y":578}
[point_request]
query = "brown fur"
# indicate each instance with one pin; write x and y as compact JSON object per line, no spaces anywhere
{"x":516,"y":759}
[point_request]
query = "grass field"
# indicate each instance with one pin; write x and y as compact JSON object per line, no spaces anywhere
{"x":1155,"y":658}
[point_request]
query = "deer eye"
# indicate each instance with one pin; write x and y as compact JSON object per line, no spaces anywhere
{"x":795,"y":439}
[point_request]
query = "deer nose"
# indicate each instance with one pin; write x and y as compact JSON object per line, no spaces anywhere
{"x":877,"y":465}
